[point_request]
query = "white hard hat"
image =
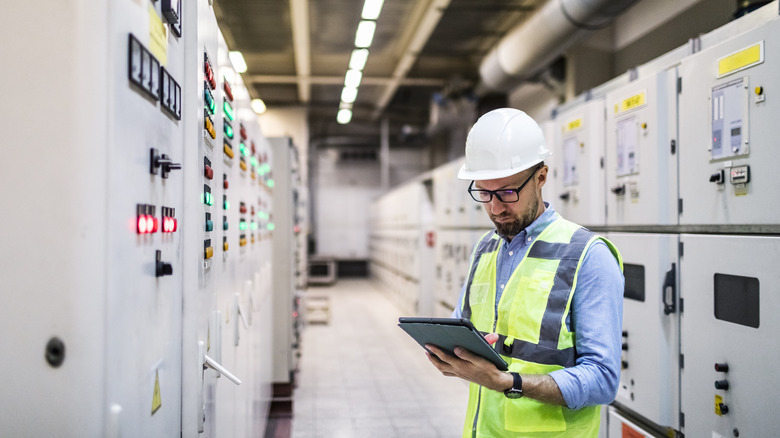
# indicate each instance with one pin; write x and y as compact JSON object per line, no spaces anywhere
{"x":503,"y":142}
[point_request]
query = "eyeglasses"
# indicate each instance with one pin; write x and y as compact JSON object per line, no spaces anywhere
{"x":504,"y":195}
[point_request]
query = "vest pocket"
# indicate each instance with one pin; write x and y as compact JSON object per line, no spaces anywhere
{"x":528,"y":415}
{"x":478,"y":293}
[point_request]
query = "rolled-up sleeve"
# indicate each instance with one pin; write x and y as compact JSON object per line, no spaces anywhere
{"x":597,"y":320}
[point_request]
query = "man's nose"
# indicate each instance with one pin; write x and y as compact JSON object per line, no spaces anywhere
{"x":496,"y":206}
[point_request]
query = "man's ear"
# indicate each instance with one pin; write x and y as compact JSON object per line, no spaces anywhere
{"x":541,"y":177}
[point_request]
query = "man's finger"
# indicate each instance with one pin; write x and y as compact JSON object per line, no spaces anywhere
{"x":491,"y":338}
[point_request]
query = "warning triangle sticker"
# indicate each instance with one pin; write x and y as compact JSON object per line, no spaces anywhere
{"x":156,"y":402}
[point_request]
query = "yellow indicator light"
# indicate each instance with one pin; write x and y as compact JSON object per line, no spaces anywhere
{"x":228,"y":150}
{"x":242,"y":242}
{"x":243,"y":165}
{"x":225,"y":246}
{"x":759,"y":90}
{"x":210,"y":127}
{"x":209,"y":252}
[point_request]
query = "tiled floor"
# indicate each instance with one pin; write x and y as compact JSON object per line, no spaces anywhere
{"x":362,"y":376}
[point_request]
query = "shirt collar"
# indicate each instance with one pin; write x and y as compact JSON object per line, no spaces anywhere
{"x":543,"y":221}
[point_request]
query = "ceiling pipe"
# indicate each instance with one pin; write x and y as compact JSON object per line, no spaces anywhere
{"x":528,"y":48}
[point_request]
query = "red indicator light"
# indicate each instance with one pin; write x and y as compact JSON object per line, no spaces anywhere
{"x":142,"y":224}
{"x":228,"y":91}
{"x":208,"y":172}
{"x":155,"y":223}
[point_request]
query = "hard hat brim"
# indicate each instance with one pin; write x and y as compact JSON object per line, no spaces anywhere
{"x":481,"y":175}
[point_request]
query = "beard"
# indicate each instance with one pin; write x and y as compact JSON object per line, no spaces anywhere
{"x":511,"y":228}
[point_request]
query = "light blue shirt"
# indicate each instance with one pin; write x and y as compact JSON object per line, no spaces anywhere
{"x":597,"y":316}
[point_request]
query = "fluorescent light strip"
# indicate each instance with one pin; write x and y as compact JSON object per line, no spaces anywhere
{"x":258,"y":106}
{"x":237,"y":59}
{"x":348,"y":94}
{"x":353,"y":78}
{"x":371,"y":9}
{"x":365,"y":34}
{"x":357,"y":61}
{"x":344,"y":116}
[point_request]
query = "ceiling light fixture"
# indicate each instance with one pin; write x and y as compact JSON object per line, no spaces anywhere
{"x":348,"y":94}
{"x":353,"y":78}
{"x":237,"y":59}
{"x":344,"y":116}
{"x":365,"y":34}
{"x":357,"y":61}
{"x":371,"y":9}
{"x":258,"y":106}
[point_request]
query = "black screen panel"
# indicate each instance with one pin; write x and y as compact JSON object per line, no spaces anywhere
{"x":737,"y":299}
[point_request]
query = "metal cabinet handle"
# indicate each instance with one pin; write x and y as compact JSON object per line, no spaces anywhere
{"x":669,"y":292}
{"x":214,"y":365}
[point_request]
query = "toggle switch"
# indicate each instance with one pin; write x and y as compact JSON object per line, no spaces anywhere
{"x":722,"y":367}
{"x":161,"y":161}
{"x":619,"y":190}
{"x":161,"y":268}
{"x":208,"y":172}
{"x":718,"y":177}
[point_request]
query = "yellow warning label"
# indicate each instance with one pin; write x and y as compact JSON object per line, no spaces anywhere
{"x":718,"y":403}
{"x":158,"y":37}
{"x":156,"y":402}
{"x":630,"y":103}
{"x":571,"y":126}
{"x":741,"y":60}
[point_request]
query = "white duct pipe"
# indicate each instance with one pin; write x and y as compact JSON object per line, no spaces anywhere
{"x":535,"y":43}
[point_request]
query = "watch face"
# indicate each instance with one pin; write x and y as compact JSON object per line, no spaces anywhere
{"x":513,"y":393}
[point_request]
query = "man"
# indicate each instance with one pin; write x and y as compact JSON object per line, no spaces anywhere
{"x":548,"y":292}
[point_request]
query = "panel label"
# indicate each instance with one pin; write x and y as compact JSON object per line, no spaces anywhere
{"x":741,"y":60}
{"x":574,"y":124}
{"x":158,"y":37}
{"x":635,"y":101}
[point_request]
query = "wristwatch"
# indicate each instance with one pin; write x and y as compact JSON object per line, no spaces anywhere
{"x":516,"y":391}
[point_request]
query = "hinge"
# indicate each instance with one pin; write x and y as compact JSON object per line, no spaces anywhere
{"x":680,"y":249}
{"x":674,"y":146}
{"x":682,"y":420}
{"x":681,"y":305}
{"x":679,"y":206}
{"x":682,"y":361}
{"x":679,"y":85}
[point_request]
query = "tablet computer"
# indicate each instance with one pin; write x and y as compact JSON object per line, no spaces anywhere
{"x":448,"y":333}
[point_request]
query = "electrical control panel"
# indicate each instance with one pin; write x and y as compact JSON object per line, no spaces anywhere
{"x":141,"y":313}
{"x":727,"y":151}
{"x":650,"y":372}
{"x":728,"y":320}
{"x":641,"y":153}
{"x":578,"y":174}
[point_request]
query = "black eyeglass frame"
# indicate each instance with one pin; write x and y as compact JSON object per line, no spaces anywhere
{"x":496,"y":192}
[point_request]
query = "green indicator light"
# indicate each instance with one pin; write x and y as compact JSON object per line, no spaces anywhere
{"x":267,"y":167}
{"x":210,"y":198}
{"x":270,"y":182}
{"x":242,"y":225}
{"x":242,"y":148}
{"x":253,"y":161}
{"x":228,"y":130}
{"x":228,"y":110}
{"x":271,"y":226}
{"x":227,"y":205}
{"x":254,"y":225}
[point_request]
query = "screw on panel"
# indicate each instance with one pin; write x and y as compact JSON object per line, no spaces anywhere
{"x":55,"y":352}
